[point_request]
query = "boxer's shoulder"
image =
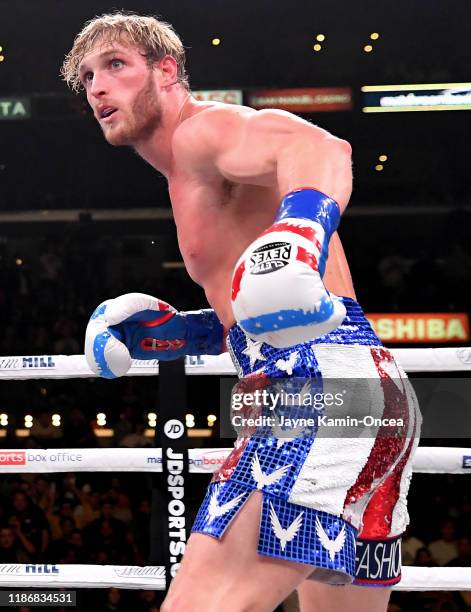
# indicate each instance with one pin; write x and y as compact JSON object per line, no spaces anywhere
{"x":209,"y":127}
{"x":201,"y":138}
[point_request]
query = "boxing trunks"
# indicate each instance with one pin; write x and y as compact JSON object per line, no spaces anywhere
{"x":332,"y":499}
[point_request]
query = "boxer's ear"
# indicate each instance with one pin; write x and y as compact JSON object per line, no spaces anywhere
{"x":169,"y":71}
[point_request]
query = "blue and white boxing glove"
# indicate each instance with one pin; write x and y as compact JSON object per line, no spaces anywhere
{"x":278,"y":296}
{"x":139,"y":326}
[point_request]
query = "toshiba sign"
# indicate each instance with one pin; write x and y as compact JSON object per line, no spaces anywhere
{"x":426,"y":328}
{"x":12,"y":458}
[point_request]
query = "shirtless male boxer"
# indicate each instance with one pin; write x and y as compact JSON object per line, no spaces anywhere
{"x":256,"y":197}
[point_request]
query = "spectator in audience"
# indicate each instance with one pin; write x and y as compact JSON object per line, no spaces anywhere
{"x":114,"y":601}
{"x":58,"y":547}
{"x":69,"y":491}
{"x":89,"y":508}
{"x":122,"y":509}
{"x":106,"y":514}
{"x":137,"y":438}
{"x":446,"y":602}
{"x":50,"y":264}
{"x":64,"y":511}
{"x":463,"y":558}
{"x":106,"y":537}
{"x":29,"y":524}
{"x":135,"y":554}
{"x":410,"y":545}
{"x":444,"y":549}
{"x":77,"y":545}
{"x":423,"y":558}
{"x":149,"y":602}
{"x":44,"y":494}
{"x":140,"y":526}
{"x":12,"y":549}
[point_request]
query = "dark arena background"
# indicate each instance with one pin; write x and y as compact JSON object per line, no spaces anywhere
{"x":81,"y":221}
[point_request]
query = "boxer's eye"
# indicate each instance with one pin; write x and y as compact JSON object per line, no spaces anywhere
{"x":116,"y":63}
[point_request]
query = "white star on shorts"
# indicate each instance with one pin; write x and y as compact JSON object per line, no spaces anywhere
{"x":254,"y":351}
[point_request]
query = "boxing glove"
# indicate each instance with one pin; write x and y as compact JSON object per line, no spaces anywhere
{"x":139,"y":326}
{"x":278,"y":296}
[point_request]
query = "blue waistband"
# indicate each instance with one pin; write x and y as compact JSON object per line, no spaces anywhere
{"x":355,"y":329}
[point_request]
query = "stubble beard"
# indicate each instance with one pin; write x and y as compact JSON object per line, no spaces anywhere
{"x":141,"y":121}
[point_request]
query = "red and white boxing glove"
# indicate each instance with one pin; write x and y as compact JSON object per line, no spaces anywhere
{"x":278,"y":296}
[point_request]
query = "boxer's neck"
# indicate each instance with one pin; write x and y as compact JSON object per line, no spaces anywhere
{"x":177,"y":105}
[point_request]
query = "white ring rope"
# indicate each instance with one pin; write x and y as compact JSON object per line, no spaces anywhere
{"x":83,"y":576}
{"x":434,"y":579}
{"x":153,"y":577}
{"x":74,"y":366}
{"x":427,"y":460}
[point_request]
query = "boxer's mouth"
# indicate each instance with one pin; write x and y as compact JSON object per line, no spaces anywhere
{"x":107,"y":112}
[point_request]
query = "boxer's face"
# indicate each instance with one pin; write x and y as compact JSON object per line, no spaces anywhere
{"x":122,"y":91}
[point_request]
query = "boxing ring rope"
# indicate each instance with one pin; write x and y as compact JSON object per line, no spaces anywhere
{"x":74,"y":366}
{"x":428,"y":460}
{"x":153,"y":577}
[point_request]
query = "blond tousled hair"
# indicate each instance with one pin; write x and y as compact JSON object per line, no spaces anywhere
{"x":154,"y":38}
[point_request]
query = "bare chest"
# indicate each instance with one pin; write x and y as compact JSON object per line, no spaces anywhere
{"x":216,"y":221}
